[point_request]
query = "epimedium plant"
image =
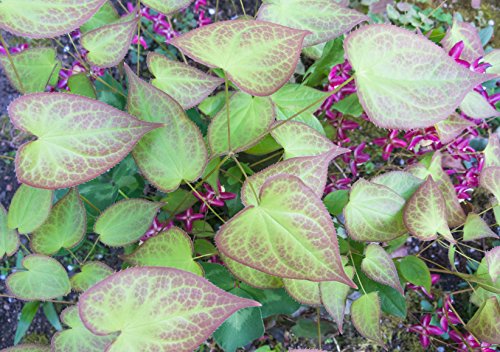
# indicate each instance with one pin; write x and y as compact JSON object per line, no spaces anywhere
{"x":280,"y":240}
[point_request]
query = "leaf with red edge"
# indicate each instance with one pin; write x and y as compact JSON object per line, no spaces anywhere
{"x":403,"y":79}
{"x":476,"y":106}
{"x":173,"y":310}
{"x":259,"y":57}
{"x":251,"y":276}
{"x":28,"y":347}
{"x":78,"y":138}
{"x":45,"y":18}
{"x":476,"y":228}
{"x":401,"y":182}
{"x":167,"y":7}
{"x":469,"y":35}
{"x":485,"y":324}
{"x":9,"y":239}
{"x":425,"y":213}
{"x":325,"y":19}
{"x":490,"y":179}
{"x":451,"y":128}
{"x":366,"y":314}
{"x":492,"y":151}
{"x":378,"y":266}
{"x":289,"y":234}
{"x":187,"y":85}
{"x":303,"y":291}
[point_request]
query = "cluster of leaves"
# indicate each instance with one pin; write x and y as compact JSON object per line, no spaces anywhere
{"x":279,"y":233}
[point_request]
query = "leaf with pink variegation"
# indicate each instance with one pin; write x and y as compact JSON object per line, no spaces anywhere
{"x":167,"y":7}
{"x":476,"y":106}
{"x":403,"y":79}
{"x":469,"y":35}
{"x":476,"y":228}
{"x":164,"y":302}
{"x":366,"y":314}
{"x":251,"y":276}
{"x":492,"y":151}
{"x":28,"y":347}
{"x":490,"y":179}
{"x":303,"y":291}
{"x":451,"y":128}
{"x":493,"y":58}
{"x":485,"y":324}
{"x":493,"y":262}
{"x":378,"y":266}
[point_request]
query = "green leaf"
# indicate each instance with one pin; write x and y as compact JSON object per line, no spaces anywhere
{"x":202,"y":229}
{"x":476,"y":106}
{"x":276,"y":235}
{"x":476,"y":228}
{"x":9,"y":239}
{"x":186,"y":84}
{"x":366,"y":314}
{"x":91,"y":273}
{"x":401,"y":182}
{"x":164,"y":301}
{"x":125,"y":221}
{"x":493,"y":263}
{"x":212,"y":105}
{"x":303,"y":291}
{"x":172,"y":248}
{"x":107,"y":14}
{"x":178,"y":201}
{"x":167,"y":7}
{"x":485,"y":324}
{"x":374,"y":213}
{"x":45,"y":18}
{"x":325,"y":19}
{"x":300,"y":140}
{"x":333,"y":54}
{"x":493,"y":58}
{"x":408,"y":81}
{"x":43,"y":279}
{"x":336,"y":201}
{"x":492,"y":151}
{"x":466,"y":33}
{"x":274,"y":301}
{"x":37,"y":68}
{"x":80,"y":84}
{"x":170,"y":154}
{"x":77,"y":337}
{"x":490,"y":179}
{"x":415,"y":271}
{"x":78,"y":138}
{"x":252,"y":277}
{"x":378,"y":266}
{"x":248,"y":51}
{"x":204,"y":247}
{"x":64,"y":228}
{"x":28,"y":348}
{"x":29,"y":208}
{"x":452,"y":127}
{"x":314,"y":52}
{"x":350,"y":105}
{"x":27,"y":314}
{"x":307,"y":328}
{"x":50,"y":313}
{"x":108,"y":45}
{"x":333,"y":297}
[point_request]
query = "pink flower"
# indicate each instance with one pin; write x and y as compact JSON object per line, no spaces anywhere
{"x":434,"y":280}
{"x":425,"y":329}
{"x":202,"y":20}
{"x":471,"y":341}
{"x":357,"y":157}
{"x":389,"y":143}
{"x":156,"y":227}
{"x":215,"y":199}
{"x":140,"y":41}
{"x":188,"y":217}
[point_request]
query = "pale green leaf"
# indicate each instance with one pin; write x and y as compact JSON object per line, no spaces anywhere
{"x":485,"y":324}
{"x":492,"y":151}
{"x":493,"y":262}
{"x":167,"y":7}
{"x":304,"y":291}
{"x":314,"y":52}
{"x":29,"y":208}
{"x":366,"y":314}
{"x":251,"y":276}
{"x":476,"y":106}
{"x":27,"y":348}
{"x":493,"y":58}
{"x":9,"y":239}
{"x":401,"y":182}
{"x":476,"y":228}
{"x":451,"y":128}
{"x":466,"y":33}
{"x":378,"y":266}
{"x":490,"y":179}
{"x":90,"y":274}
{"x":107,"y":14}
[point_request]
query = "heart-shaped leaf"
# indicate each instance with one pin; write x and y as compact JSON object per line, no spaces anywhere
{"x":301,"y":140}
{"x":45,"y":18}
{"x":37,"y":68}
{"x":126,"y":221}
{"x":401,"y":182}
{"x":251,"y":276}
{"x":476,"y":106}
{"x":170,"y":154}
{"x":366,"y":314}
{"x":44,"y":278}
{"x":466,"y":33}
{"x":303,"y":291}
{"x":259,"y":57}
{"x":29,"y":208}
{"x":78,"y":337}
{"x":9,"y":240}
{"x":451,"y":128}
{"x":325,"y":19}
{"x":425,"y":213}
{"x":90,"y":274}
{"x":186,"y":84}
{"x":403,"y":79}
{"x":107,"y":14}
{"x":490,"y":179}
{"x":78,"y":138}
{"x":64,"y":228}
{"x":250,"y":117}
{"x":492,"y":151}
{"x":173,"y":310}
{"x":476,"y":228}
{"x":374,"y":212}
{"x":172,"y":248}
{"x":485,"y":324}
{"x":288,"y":234}
{"x":28,"y":348}
{"x":108,"y":45}
{"x":415,"y":271}
{"x":378,"y":266}
{"x":167,"y":7}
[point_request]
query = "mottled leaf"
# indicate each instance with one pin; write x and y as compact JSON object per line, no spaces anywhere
{"x":325,"y":19}
{"x":303,"y":291}
{"x":90,"y":274}
{"x":9,"y":239}
{"x":366,"y":314}
{"x":78,"y":138}
{"x":451,"y":128}
{"x":490,"y":179}
{"x":493,"y":262}
{"x":64,"y":228}
{"x":107,"y":14}
{"x":43,"y":279}
{"x":374,"y":212}
{"x":404,"y":80}
{"x":493,"y":58}
{"x":259,"y":57}
{"x":186,"y":84}
{"x":492,"y":151}
{"x":45,"y":18}
{"x":288,"y":234}
{"x":401,"y":182}
{"x":466,"y":33}
{"x":29,"y":208}
{"x":251,"y":276}
{"x":476,"y":106}
{"x":167,"y":7}
{"x":476,"y":228}
{"x":27,"y":348}
{"x":378,"y":266}
{"x":173,"y":310}
{"x":170,"y":154}
{"x":485,"y":324}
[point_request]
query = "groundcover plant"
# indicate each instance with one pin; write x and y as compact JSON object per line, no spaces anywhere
{"x":239,"y":170}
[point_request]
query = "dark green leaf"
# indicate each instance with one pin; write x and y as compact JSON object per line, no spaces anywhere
{"x":349,"y":106}
{"x":27,"y":314}
{"x":415,"y":271}
{"x":333,"y":54}
{"x":51,"y":315}
{"x":336,"y":201}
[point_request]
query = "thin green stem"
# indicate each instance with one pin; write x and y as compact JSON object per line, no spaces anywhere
{"x":139,"y":26}
{"x":243,"y":8}
{"x":45,"y":300}
{"x":7,"y":157}
{"x":318,"y":314}
{"x":123,"y":194}
{"x":356,"y":272}
{"x":228,"y":114}
{"x":204,"y":256}
{"x":280,"y":152}
{"x":90,"y":204}
{"x":91,"y":249}
{"x":216,"y":10}
{"x":204,"y":201}
{"x":74,"y":256}
{"x":242,"y":169}
{"x":9,"y":56}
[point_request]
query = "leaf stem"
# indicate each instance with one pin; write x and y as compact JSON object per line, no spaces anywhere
{"x":139,"y":26}
{"x":45,"y":300}
{"x":226,"y":87}
{"x":319,"y":326}
{"x":123,"y":194}
{"x":89,"y":203}
{"x":9,"y":56}
{"x":216,"y":10}
{"x":204,"y":256}
{"x":243,"y":8}
{"x":91,"y":249}
{"x":7,"y":157}
{"x":246,"y":178}
{"x":204,"y":201}
{"x":74,"y":256}
{"x":356,"y":272}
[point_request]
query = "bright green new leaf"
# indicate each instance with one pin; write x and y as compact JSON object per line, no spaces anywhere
{"x":167,"y":7}
{"x":493,"y":262}
{"x":493,"y":58}
{"x":80,"y":84}
{"x":325,"y":19}
{"x":37,"y":68}
{"x":157,"y":308}
{"x":401,"y":182}
{"x":251,"y":276}
{"x":186,"y":84}
{"x":78,"y":337}
{"x":212,"y":105}
{"x":173,"y":153}
{"x":476,"y":106}
{"x":64,"y":228}
{"x":378,"y":266}
{"x":350,"y":105}
{"x":288,"y":234}
{"x":374,"y":212}
{"x":466,"y":33}
{"x":44,"y":278}
{"x":476,"y":228}
{"x":490,"y":179}
{"x":336,"y":201}
{"x":172,"y":248}
{"x":107,"y":14}
{"x":485,"y":324}
{"x":78,"y":138}
{"x":451,"y":128}
{"x":300,"y":140}
{"x":366,"y":314}
{"x":415,"y":271}
{"x":27,"y":348}
{"x":492,"y":151}
{"x":314,"y":52}
{"x":304,"y":291}
{"x":29,"y":208}
{"x":45,"y":18}
{"x":403,"y":79}
{"x":425,"y":213}
{"x":259,"y":57}
{"x":90,"y":274}
{"x":250,"y":117}
{"x":9,"y":239}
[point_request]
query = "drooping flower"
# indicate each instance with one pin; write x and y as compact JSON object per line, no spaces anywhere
{"x":141,"y":41}
{"x":212,"y":198}
{"x":156,"y":227}
{"x":471,"y":342}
